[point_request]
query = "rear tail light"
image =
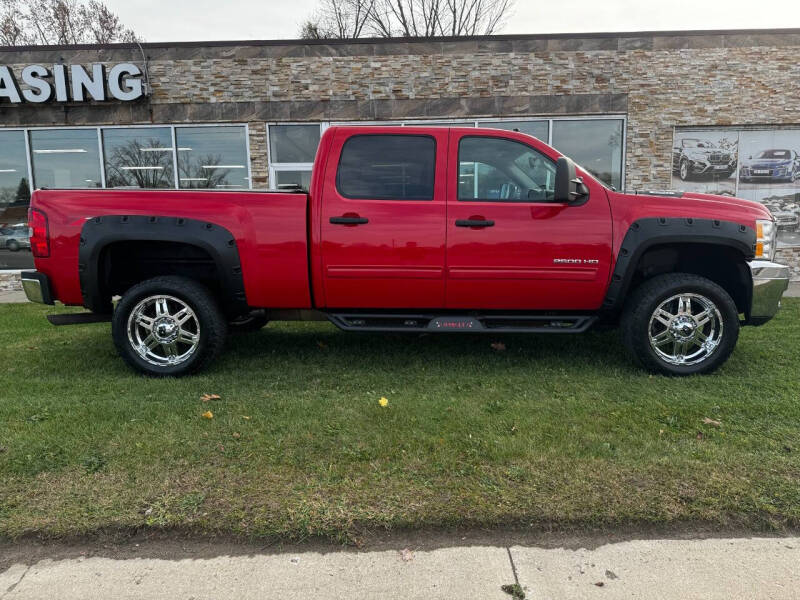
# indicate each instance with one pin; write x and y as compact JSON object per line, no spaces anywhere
{"x":40,"y":236}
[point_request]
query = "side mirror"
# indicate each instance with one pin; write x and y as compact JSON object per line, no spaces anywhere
{"x":569,"y":187}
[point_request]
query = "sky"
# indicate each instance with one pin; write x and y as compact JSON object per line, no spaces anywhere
{"x":196,"y":20}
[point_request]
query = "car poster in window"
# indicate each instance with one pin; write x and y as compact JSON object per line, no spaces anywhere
{"x":769,"y":172}
{"x":704,"y":160}
{"x":766,"y":169}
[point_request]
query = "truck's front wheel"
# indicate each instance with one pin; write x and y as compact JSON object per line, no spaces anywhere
{"x":168,"y":326}
{"x":680,"y":324}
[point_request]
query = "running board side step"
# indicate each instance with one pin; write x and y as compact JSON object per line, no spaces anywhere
{"x":78,"y":319}
{"x":462,"y":323}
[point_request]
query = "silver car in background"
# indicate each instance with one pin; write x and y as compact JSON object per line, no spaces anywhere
{"x":15,"y":237}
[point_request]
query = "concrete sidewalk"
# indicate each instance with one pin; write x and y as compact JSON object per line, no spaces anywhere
{"x":649,"y":569}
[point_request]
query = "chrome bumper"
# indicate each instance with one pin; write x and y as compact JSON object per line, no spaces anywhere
{"x":37,"y":287}
{"x":770,"y":281}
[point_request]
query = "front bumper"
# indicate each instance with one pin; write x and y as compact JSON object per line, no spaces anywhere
{"x":770,"y":281}
{"x":37,"y":287}
{"x":703,"y":167}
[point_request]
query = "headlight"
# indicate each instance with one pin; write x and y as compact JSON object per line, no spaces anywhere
{"x":766,"y":234}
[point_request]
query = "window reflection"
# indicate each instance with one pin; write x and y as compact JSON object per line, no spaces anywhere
{"x":15,"y":193}
{"x":212,"y":157}
{"x":293,"y":143}
{"x":287,"y":179}
{"x":596,"y":145}
{"x":538,"y":129}
{"x":140,"y":158}
{"x":15,"y":196}
{"x":65,"y":158}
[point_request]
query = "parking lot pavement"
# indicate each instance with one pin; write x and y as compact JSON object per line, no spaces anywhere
{"x":710,"y":569}
{"x":12,"y":297}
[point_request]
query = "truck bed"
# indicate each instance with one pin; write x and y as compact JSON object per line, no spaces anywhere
{"x":269,"y":228}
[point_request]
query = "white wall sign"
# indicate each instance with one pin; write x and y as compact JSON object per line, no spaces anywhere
{"x":71,"y":83}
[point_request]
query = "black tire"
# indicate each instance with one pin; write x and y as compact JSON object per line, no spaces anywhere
{"x":684,"y":173}
{"x":12,"y":245}
{"x":252,"y":321}
{"x":210,"y":322}
{"x":642,"y":304}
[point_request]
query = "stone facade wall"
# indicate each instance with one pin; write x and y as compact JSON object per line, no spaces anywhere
{"x":10,"y":282}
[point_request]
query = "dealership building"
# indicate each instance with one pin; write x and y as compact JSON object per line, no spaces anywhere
{"x":715,"y":111}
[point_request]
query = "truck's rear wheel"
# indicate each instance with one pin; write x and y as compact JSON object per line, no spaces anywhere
{"x":680,"y":324}
{"x":168,"y":326}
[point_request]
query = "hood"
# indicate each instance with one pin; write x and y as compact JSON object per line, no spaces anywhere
{"x":690,"y":205}
{"x":707,"y":150}
{"x":766,"y":162}
{"x":727,"y":202}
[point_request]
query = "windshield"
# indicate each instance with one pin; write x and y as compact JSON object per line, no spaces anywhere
{"x":693,"y":143}
{"x":774,"y":154}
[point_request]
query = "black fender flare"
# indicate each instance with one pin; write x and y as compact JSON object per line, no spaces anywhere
{"x":646,"y":233}
{"x":97,"y":233}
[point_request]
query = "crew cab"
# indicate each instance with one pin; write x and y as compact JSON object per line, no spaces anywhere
{"x":412,"y":229}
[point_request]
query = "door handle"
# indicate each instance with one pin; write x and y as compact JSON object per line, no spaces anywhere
{"x":349,"y":220}
{"x":474,"y":223}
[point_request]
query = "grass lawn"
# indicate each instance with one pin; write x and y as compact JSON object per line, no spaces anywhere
{"x":552,"y":430}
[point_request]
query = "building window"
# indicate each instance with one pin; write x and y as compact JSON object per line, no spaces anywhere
{"x":538,"y":129}
{"x":293,"y":179}
{"x":15,"y":191}
{"x":291,"y":154}
{"x":212,"y":157}
{"x":15,"y":196}
{"x":595,"y":144}
{"x":65,"y":158}
{"x":139,"y":158}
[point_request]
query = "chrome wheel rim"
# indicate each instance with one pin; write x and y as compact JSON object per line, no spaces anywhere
{"x":163,"y":330}
{"x":685,"y":329}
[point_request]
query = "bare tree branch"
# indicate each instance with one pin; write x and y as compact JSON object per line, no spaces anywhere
{"x":35,"y":22}
{"x":405,"y":18}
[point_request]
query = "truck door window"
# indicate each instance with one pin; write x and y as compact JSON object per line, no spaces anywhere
{"x":387,"y":167}
{"x":500,"y":170}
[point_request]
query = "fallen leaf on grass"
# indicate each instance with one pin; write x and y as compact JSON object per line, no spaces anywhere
{"x":407,"y":555}
{"x":499,"y":346}
{"x":237,"y":435}
{"x":384,"y":402}
{"x":208,"y":397}
{"x":245,"y":418}
{"x":701,"y":436}
{"x":712,"y":422}
{"x":208,"y":415}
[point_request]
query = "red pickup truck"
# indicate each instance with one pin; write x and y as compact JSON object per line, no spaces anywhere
{"x":412,"y":229}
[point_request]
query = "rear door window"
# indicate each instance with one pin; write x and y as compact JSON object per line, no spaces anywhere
{"x":387,"y":167}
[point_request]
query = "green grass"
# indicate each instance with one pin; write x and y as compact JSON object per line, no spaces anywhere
{"x":554,"y":430}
